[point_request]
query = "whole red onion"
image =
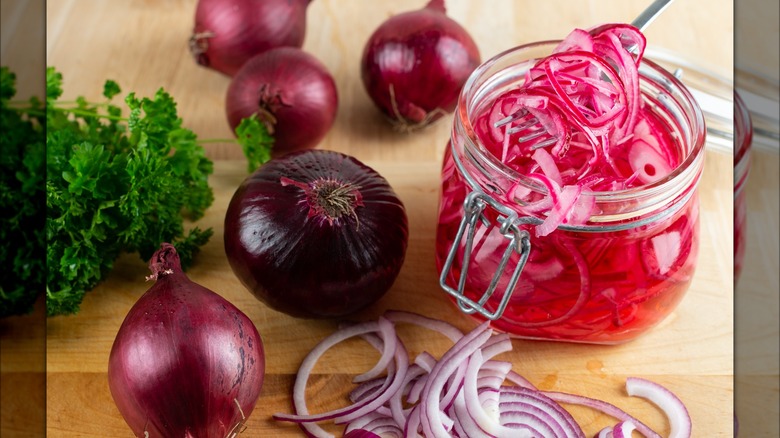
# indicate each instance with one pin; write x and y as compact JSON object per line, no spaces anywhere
{"x":316,"y":234}
{"x":185,"y":362}
{"x":229,"y":32}
{"x":415,"y":64}
{"x":292,"y":93}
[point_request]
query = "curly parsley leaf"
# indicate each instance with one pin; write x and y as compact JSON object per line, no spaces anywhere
{"x":111,"y":89}
{"x":22,"y":207}
{"x":116,"y":185}
{"x":53,"y":84}
{"x":256,"y":141}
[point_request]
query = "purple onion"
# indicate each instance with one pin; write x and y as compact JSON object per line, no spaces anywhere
{"x":316,"y":234}
{"x":185,"y":362}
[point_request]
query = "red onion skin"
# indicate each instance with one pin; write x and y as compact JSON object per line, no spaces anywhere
{"x":184,"y":359}
{"x":426,"y":57}
{"x":315,"y":266}
{"x":291,"y":91}
{"x":227,"y":33}
{"x":360,"y":433}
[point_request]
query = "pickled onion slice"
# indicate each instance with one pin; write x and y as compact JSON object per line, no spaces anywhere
{"x":647,"y":163}
{"x":666,"y":248}
{"x":586,"y":94}
{"x":560,"y":210}
{"x":547,"y":164}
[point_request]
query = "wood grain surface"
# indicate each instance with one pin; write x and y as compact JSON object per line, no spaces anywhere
{"x":691,"y":351}
{"x":142,"y":44}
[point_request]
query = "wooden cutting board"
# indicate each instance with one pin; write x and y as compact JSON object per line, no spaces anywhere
{"x":142,"y":45}
{"x":690,"y":352}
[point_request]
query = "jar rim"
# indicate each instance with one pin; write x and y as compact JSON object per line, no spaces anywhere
{"x":692,"y":163}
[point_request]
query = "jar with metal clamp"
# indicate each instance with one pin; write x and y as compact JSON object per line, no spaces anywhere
{"x":606,"y":279}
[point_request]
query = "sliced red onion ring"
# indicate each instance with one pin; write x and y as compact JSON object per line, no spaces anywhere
{"x":401,"y":415}
{"x":377,"y":424}
{"x":465,"y":425}
{"x":390,"y":341}
{"x":673,"y":407}
{"x":360,"y":433}
{"x":556,"y":414}
{"x":465,"y":393}
{"x":602,"y":406}
{"x":623,"y":429}
{"x":392,"y":382}
{"x":605,"y":432}
{"x":476,"y":411}
{"x":431,"y":414}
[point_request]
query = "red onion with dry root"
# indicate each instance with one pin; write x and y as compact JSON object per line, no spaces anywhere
{"x":185,"y":362}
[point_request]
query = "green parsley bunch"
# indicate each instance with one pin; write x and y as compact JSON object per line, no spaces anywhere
{"x":81,"y":183}
{"x":116,"y":184}
{"x":22,"y":200}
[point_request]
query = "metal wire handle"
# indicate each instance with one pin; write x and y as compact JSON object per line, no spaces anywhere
{"x":519,"y":242}
{"x":650,"y":13}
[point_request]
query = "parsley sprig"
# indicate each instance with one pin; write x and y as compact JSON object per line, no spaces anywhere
{"x":117,"y":184}
{"x":111,"y":184}
{"x":22,"y":200}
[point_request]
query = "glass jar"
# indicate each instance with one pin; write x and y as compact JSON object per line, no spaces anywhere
{"x":743,"y":134}
{"x":606,"y":281}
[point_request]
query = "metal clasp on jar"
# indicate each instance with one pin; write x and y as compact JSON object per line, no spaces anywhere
{"x":519,"y":242}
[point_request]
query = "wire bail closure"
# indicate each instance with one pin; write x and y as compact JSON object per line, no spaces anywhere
{"x":519,"y":242}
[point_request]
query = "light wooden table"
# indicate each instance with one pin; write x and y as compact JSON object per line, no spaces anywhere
{"x":143,"y":46}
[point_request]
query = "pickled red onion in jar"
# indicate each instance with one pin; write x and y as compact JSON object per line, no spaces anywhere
{"x":603,"y":179}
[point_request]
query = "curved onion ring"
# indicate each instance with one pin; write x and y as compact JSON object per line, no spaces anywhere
{"x":466,"y":393}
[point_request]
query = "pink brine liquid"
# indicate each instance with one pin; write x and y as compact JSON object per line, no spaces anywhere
{"x":577,"y":286}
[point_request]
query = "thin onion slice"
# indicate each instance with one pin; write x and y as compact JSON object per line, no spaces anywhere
{"x":673,"y":407}
{"x":623,"y":429}
{"x":360,"y":433}
{"x":465,"y":393}
{"x":454,"y":358}
{"x":392,"y":383}
{"x":604,"y":407}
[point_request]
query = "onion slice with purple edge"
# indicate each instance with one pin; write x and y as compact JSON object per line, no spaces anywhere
{"x":360,"y":433}
{"x":465,"y":393}
{"x":362,"y":407}
{"x":673,"y":407}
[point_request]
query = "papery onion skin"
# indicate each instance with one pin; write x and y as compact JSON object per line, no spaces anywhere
{"x":292,"y":93}
{"x":185,"y":362}
{"x":415,"y":63}
{"x":227,"y":33}
{"x":307,"y":263}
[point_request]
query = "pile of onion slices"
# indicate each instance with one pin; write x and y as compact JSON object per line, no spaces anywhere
{"x":464,"y":393}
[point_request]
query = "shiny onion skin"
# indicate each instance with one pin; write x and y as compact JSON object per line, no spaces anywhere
{"x":292,"y":93}
{"x":415,"y":63}
{"x":185,"y":362}
{"x":308,"y":257}
{"x":229,"y":32}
